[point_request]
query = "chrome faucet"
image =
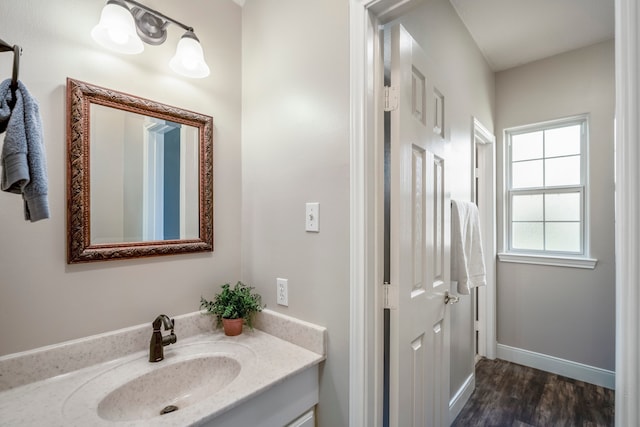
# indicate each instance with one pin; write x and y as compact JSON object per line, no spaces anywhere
{"x":156,"y":346}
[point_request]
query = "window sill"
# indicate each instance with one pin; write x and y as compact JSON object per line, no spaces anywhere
{"x":557,"y":261}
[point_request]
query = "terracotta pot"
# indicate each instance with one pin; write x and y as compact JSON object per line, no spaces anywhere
{"x":232,"y":327}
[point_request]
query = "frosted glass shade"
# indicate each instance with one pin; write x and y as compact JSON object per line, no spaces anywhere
{"x":117,"y":30}
{"x":189,"y":58}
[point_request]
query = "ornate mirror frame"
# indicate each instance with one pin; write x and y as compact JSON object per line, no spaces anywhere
{"x":80,"y":96}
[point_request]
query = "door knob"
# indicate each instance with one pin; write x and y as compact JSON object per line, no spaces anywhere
{"x":450,"y":299}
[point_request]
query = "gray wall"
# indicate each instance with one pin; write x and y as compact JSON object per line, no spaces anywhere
{"x":564,"y":312}
{"x":46,"y":301}
{"x":469,"y":92}
{"x":295,"y":149}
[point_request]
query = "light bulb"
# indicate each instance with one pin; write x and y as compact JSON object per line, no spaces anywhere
{"x":118,"y":36}
{"x":117,"y":30}
{"x":189,"y":58}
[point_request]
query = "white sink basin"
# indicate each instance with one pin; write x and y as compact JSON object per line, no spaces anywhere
{"x":169,"y":388}
{"x":138,"y":390}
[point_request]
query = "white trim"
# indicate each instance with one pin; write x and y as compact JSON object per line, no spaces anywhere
{"x":556,"y":261}
{"x":556,"y":365}
{"x":365,"y":313}
{"x":365,"y":307}
{"x":482,"y":133}
{"x":484,"y":148}
{"x":387,"y":10}
{"x":627,"y":202}
{"x":461,"y":397}
{"x":581,"y":119}
{"x":548,"y":124}
{"x":358,"y":339}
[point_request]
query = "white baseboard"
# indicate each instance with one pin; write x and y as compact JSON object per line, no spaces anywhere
{"x":555,"y":365}
{"x":461,"y":397}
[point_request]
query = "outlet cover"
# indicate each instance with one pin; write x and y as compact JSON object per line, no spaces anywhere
{"x":282,"y":292}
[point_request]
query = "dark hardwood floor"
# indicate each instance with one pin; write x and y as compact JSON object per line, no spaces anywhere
{"x":510,"y":395}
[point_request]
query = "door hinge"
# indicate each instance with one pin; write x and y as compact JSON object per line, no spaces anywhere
{"x":476,"y":325}
{"x":390,"y":296}
{"x":390,"y":98}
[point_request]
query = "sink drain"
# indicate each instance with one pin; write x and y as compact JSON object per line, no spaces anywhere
{"x":169,"y":409}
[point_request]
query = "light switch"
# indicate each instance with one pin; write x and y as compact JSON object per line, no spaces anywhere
{"x":313,"y":217}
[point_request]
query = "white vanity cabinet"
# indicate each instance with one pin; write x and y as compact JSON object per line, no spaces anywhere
{"x":308,"y":419}
{"x":285,"y":404}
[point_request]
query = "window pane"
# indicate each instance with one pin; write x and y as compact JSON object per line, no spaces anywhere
{"x":526,"y":146}
{"x":563,"y":236}
{"x":526,"y":174}
{"x":527,"y":235}
{"x":527,"y":207}
{"x":562,"y":207}
{"x":562,"y":141}
{"x":562,"y":171}
{"x":546,"y":187}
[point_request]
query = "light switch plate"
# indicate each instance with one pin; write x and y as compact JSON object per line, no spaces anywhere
{"x":313,"y":217}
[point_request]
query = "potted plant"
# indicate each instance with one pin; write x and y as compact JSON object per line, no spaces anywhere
{"x":233,"y":307}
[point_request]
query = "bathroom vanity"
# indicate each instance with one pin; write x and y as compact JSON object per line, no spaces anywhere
{"x":267,"y":377}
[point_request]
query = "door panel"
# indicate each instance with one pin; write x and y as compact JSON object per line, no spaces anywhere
{"x":419,"y":254}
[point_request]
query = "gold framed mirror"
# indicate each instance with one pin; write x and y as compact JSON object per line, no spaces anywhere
{"x":139,"y":176}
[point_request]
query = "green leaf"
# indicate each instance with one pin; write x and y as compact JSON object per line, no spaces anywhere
{"x":234,"y":303}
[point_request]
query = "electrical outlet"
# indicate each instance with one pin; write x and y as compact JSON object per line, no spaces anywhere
{"x":282,"y":290}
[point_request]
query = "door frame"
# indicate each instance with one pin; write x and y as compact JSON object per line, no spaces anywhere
{"x":483,"y":152}
{"x":365,"y":382}
{"x":627,"y":204}
{"x":366,"y":206}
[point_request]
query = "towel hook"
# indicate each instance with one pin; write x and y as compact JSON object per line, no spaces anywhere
{"x":17,"y":51}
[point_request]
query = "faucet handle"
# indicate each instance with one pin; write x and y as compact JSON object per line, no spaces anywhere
{"x":169,"y":339}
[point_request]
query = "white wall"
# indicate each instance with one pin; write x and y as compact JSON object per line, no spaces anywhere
{"x":42,"y":299}
{"x":295,"y":149}
{"x":469,"y":92}
{"x":564,"y":312}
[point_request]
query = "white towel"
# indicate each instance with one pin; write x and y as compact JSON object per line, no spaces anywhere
{"x":467,"y":257}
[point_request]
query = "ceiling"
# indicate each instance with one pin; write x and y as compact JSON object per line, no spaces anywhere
{"x":514,"y":32}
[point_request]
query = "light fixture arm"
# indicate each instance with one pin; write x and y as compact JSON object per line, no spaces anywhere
{"x":162,"y":16}
{"x":125,"y":25}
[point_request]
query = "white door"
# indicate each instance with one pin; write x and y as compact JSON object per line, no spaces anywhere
{"x":419,"y":248}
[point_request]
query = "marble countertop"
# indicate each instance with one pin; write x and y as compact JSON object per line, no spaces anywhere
{"x":67,"y":395}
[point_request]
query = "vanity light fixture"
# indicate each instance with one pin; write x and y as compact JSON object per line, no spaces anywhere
{"x":123,"y":30}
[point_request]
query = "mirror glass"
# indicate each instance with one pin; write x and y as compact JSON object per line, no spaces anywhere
{"x":139,"y":176}
{"x":144,"y":178}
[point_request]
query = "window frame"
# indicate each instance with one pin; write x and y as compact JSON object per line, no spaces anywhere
{"x":578,"y":259}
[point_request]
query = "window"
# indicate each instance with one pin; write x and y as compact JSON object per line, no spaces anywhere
{"x":546,"y":172}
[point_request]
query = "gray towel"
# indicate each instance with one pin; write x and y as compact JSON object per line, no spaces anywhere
{"x":24,"y":165}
